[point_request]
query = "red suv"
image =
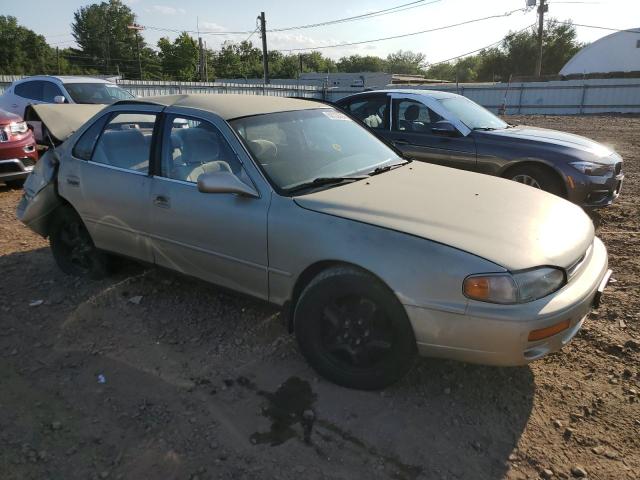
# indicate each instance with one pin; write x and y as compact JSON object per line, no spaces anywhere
{"x":18,"y":152}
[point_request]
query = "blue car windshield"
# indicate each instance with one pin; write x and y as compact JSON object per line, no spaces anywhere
{"x":300,"y":146}
{"x":471,"y":114}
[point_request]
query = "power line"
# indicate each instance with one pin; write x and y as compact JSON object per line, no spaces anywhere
{"x":494,"y":44}
{"x":377,"y":13}
{"x":405,"y":34}
{"x":630,"y":30}
{"x":386,"y":11}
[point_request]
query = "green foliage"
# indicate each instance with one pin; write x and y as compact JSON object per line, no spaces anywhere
{"x":106,"y":43}
{"x":22,"y":51}
{"x":107,"y":46}
{"x":179,"y":59}
{"x":516,"y":56}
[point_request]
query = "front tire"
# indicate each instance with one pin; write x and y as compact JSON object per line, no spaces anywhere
{"x":353,"y":331}
{"x":537,"y":177}
{"x":73,"y":249}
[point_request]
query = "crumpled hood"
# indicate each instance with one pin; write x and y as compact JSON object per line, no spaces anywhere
{"x":507,"y":223}
{"x":554,"y":137}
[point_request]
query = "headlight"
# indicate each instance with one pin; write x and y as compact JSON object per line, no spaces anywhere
{"x":592,"y":169}
{"x":513,"y":288}
{"x":18,"y":127}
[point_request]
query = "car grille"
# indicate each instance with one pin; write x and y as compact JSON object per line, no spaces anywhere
{"x":9,"y":167}
{"x":618,"y":167}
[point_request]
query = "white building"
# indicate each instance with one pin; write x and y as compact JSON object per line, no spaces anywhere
{"x":618,"y":52}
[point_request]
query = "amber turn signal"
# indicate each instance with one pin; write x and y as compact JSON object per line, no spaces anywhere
{"x":548,"y":331}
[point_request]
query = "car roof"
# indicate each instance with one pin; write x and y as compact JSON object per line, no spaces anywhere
{"x":414,"y":91}
{"x":229,"y":106}
{"x":65,"y":79}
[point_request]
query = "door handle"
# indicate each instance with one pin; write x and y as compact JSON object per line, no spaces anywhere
{"x":73,"y":181}
{"x":161,"y":201}
{"x":15,"y":105}
{"x":400,"y":142}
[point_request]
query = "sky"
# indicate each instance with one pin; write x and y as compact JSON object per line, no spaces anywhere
{"x":240,"y":16}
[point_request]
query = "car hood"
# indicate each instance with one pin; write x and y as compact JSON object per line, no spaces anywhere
{"x":60,"y":121}
{"x":509,"y":224}
{"x":8,"y":117}
{"x":553,"y":138}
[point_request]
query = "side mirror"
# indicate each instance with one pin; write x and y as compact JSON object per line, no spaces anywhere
{"x":444,"y":128}
{"x":224,"y":182}
{"x":59,"y":99}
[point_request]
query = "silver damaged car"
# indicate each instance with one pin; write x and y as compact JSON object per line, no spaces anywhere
{"x":374,"y":258}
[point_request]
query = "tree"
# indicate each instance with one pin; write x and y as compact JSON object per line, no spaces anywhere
{"x":405,"y":62}
{"x":106,"y":43}
{"x":22,"y":51}
{"x":515,"y":56}
{"x":359,"y":63}
{"x":179,"y":59}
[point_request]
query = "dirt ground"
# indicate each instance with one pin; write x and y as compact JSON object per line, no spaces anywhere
{"x":149,"y":375}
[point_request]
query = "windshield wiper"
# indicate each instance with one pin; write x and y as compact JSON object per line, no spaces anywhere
{"x":385,"y":168}
{"x":320,"y":181}
{"x":485,"y":129}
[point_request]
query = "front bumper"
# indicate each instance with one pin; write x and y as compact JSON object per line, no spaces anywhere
{"x":17,"y":159}
{"x":595,"y":191}
{"x":498,"y":334}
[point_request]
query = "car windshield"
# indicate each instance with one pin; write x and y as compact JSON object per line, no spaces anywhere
{"x":295,"y":148}
{"x":471,"y":114}
{"x":96,"y":92}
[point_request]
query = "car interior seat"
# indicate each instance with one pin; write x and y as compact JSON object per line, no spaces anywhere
{"x":124,"y":149}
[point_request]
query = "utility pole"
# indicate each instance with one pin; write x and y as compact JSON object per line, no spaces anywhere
{"x":300,"y":58}
{"x":58,"y":58}
{"x":137,"y":29}
{"x":265,"y":58}
{"x":542,"y":9}
{"x":201,"y":64}
{"x":206,"y":66}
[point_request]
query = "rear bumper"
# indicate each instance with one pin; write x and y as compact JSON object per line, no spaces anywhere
{"x":498,"y":334}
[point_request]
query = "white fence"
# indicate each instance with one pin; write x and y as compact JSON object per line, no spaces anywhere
{"x":562,"y":97}
{"x":614,"y":95}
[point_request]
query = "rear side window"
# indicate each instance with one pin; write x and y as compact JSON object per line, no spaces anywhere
{"x":126,"y":142}
{"x":84,"y":147}
{"x":372,"y":111}
{"x":31,"y":90}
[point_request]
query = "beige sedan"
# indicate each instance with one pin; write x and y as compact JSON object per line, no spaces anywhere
{"x":372,"y":257}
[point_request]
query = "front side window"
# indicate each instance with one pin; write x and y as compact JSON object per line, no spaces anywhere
{"x":96,"y":92}
{"x":49,"y":91}
{"x":31,"y":90}
{"x":297,"y":147}
{"x":126,"y":142}
{"x":471,"y":114}
{"x":413,"y":116}
{"x":372,"y":111}
{"x":193,"y":147}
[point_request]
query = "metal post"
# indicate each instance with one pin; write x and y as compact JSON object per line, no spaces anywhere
{"x":135,"y":27}
{"x":542,"y":8}
{"x":265,"y":58}
{"x":201,"y":59}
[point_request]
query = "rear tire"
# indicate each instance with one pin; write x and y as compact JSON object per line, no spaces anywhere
{"x":537,"y":177}
{"x":353,"y":330}
{"x":73,"y":249}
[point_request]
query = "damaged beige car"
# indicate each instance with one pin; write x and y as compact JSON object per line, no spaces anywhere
{"x":373,"y":258}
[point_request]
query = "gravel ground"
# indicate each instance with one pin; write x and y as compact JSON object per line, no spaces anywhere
{"x":149,"y":375}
